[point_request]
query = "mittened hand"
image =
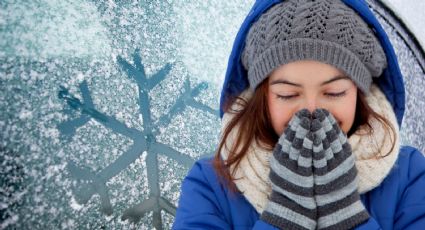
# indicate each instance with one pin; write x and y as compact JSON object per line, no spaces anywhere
{"x":313,"y":177}
{"x":291,"y":204}
{"x":335,"y":176}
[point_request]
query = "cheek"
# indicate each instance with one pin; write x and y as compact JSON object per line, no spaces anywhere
{"x":279,"y":115}
{"x":345,"y":115}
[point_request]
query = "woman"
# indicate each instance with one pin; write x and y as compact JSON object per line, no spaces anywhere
{"x":312,"y":101}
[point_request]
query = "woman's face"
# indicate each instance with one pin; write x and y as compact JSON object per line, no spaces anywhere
{"x":310,"y":85}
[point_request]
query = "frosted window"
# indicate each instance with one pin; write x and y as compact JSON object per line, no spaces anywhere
{"x":106,"y":105}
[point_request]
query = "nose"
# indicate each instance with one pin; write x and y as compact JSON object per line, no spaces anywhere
{"x":311,"y":104}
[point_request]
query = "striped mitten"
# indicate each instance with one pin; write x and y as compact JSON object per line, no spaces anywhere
{"x":335,"y":176}
{"x":291,"y":204}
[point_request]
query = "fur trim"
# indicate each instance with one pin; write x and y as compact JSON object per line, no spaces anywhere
{"x":252,"y":174}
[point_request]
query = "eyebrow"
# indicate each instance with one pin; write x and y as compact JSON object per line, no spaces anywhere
{"x":336,"y":78}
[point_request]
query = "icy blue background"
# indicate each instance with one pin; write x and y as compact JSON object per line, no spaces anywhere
{"x":105,"y":105}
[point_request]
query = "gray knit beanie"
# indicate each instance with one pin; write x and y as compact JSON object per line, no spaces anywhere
{"x":323,"y":30}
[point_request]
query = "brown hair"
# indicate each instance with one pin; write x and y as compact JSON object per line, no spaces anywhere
{"x":253,"y":121}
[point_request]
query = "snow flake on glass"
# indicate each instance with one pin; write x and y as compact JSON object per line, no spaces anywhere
{"x":90,"y":182}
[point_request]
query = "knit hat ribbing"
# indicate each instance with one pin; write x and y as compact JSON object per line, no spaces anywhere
{"x":323,"y":30}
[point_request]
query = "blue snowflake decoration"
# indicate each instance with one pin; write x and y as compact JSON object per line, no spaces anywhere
{"x":90,"y":183}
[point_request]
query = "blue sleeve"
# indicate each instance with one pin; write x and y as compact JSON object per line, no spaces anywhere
{"x":203,"y":203}
{"x":198,"y":206}
{"x":411,"y":207}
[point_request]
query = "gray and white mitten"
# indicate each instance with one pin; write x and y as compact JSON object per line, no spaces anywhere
{"x":291,"y":204}
{"x":335,"y":176}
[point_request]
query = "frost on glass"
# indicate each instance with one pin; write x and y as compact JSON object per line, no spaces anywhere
{"x":413,"y":126}
{"x":105,"y":105}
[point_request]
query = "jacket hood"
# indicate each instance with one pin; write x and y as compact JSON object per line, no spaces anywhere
{"x":390,"y":82}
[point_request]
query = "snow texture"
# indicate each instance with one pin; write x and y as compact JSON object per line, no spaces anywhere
{"x":105,"y":105}
{"x":412,"y":14}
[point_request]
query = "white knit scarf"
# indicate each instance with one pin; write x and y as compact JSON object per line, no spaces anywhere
{"x":253,"y":171}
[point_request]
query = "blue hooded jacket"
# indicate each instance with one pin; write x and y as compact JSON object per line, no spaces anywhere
{"x":397,"y":203}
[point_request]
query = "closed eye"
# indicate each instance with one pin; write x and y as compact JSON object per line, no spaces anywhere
{"x":339,"y":94}
{"x":286,"y":97}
